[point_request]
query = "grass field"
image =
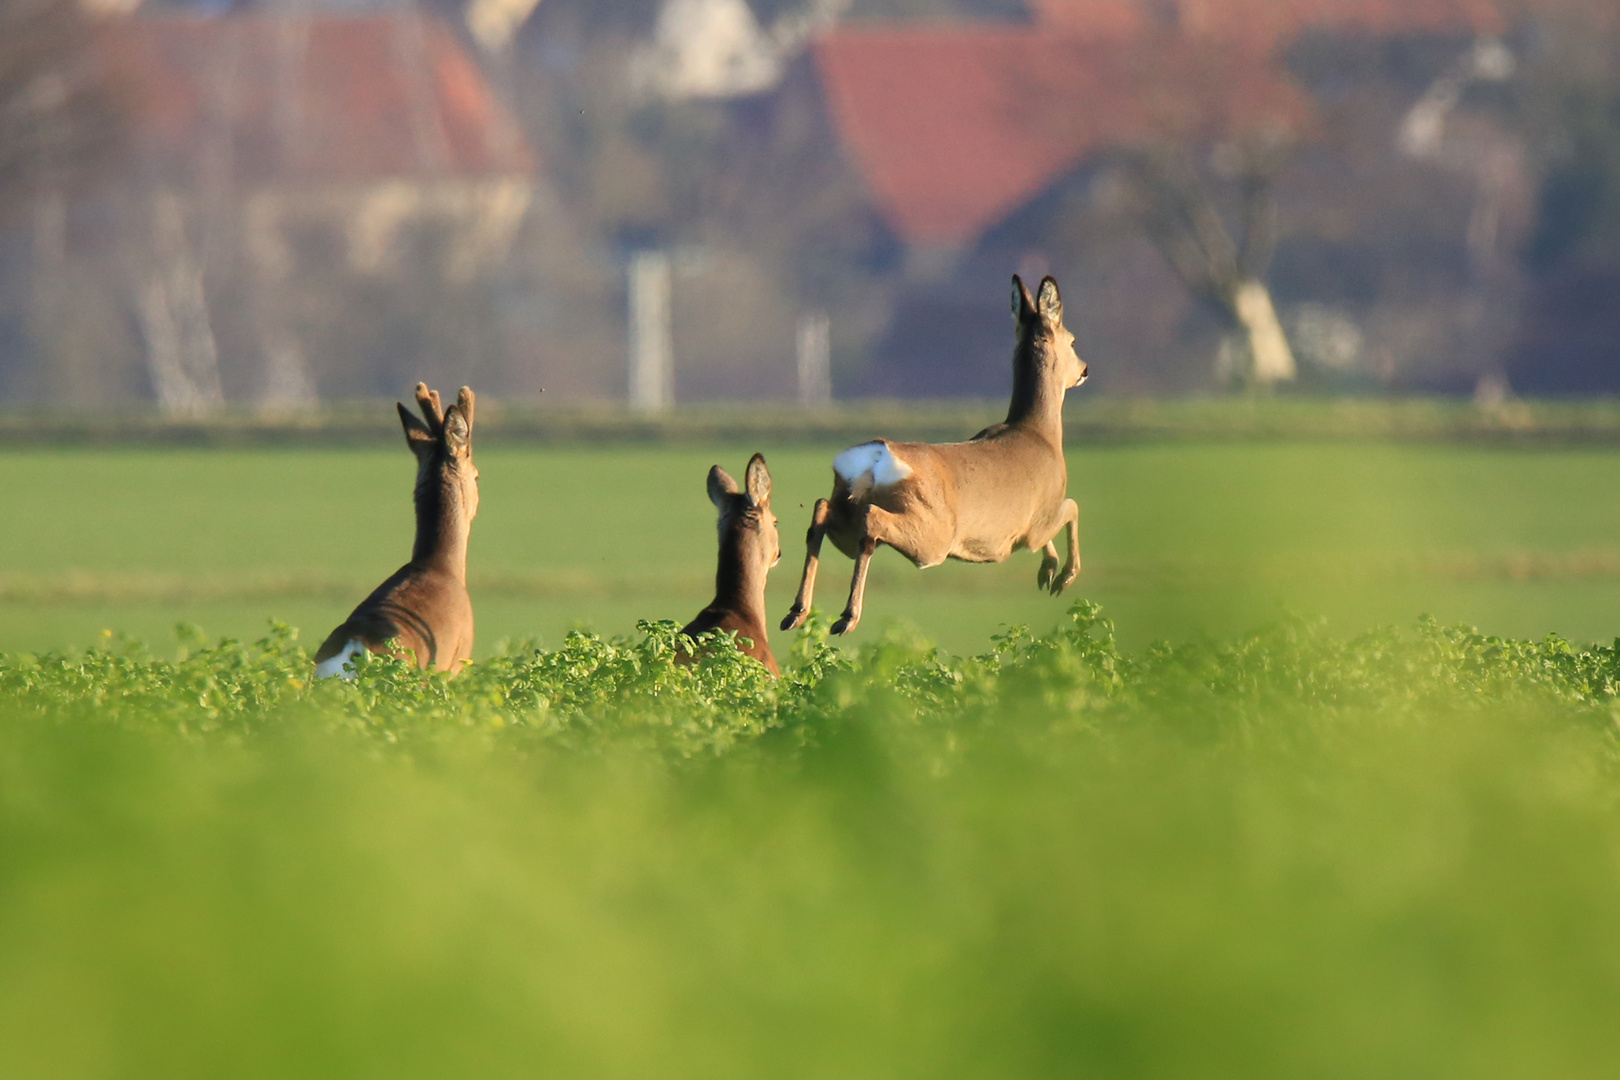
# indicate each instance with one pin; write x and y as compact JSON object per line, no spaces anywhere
{"x":1179,"y":540}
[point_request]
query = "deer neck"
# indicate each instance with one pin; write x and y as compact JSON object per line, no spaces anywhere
{"x":1037,"y":398}
{"x":739,"y":582}
{"x":441,"y":527}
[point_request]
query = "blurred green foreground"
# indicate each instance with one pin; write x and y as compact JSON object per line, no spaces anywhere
{"x":1294,"y":855}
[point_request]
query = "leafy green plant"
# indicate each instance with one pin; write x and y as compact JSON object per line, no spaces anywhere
{"x":1288,"y":854}
{"x":593,"y":690}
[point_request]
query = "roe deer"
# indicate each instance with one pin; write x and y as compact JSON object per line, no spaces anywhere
{"x":975,"y":501}
{"x":749,"y":547}
{"x":424,"y":605}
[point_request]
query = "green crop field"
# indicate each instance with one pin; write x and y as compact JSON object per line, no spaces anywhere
{"x":1350,"y":843}
{"x":1178,"y":541}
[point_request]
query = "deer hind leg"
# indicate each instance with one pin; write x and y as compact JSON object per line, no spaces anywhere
{"x":812,"y":558}
{"x":851,"y":617}
{"x":1071,"y":565}
{"x":874,"y":531}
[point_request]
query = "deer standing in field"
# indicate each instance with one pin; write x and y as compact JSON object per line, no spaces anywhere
{"x":975,"y":501}
{"x":424,"y":606}
{"x":749,"y":547}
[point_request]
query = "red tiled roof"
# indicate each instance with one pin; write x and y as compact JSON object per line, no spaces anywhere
{"x":1095,"y":20}
{"x":328,"y":99}
{"x":1267,"y":21}
{"x":953,"y":128}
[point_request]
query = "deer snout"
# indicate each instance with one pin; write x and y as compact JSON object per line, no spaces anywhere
{"x":1085,"y":372}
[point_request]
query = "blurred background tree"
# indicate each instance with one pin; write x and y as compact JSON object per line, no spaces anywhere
{"x":60,"y":131}
{"x":58,"y":121}
{"x":1568,"y":108}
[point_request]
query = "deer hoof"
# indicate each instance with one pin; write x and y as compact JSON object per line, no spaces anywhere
{"x":795,"y":619}
{"x":1064,"y":580}
{"x":844,"y":625}
{"x":1046,"y":577}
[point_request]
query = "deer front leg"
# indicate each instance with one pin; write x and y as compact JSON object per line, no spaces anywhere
{"x":812,"y":558}
{"x":1071,"y":566}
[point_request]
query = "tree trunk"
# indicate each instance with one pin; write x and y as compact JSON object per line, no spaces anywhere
{"x":1270,"y":359}
{"x":181,"y":353}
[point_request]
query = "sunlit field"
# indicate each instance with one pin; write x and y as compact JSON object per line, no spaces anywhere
{"x":1252,"y":817}
{"x":1178,"y":541}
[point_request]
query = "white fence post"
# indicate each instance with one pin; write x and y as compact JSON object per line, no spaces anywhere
{"x":815,"y":360}
{"x":652,"y":360}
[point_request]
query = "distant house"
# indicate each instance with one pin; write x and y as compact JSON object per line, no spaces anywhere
{"x":955,"y":126}
{"x":282,"y":154}
{"x":1268,"y":24}
{"x":975,"y":143}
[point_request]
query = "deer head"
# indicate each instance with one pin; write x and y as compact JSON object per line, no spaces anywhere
{"x":1043,"y":341}
{"x":446,"y":478}
{"x":747,"y":526}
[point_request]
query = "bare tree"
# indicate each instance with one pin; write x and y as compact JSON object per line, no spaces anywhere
{"x":1216,"y":123}
{"x":1178,"y":202}
{"x":56,"y":112}
{"x":59,"y":127}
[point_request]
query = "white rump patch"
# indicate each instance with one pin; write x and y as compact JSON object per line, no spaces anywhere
{"x":870,"y":465}
{"x":338,"y":665}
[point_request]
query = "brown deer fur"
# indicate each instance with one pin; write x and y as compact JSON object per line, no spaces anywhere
{"x":749,"y":547}
{"x":424,"y":606}
{"x":976,"y":501}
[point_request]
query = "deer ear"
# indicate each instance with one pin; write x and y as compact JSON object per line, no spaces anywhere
{"x":432,"y":410}
{"x":759,"y":481}
{"x":464,"y":404}
{"x":1050,"y":304}
{"x":417,"y":436}
{"x":457,"y":432}
{"x":721,"y":487}
{"x":1021,"y":302}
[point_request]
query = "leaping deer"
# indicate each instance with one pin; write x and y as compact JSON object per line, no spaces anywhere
{"x":749,"y":547}
{"x":424,"y":605}
{"x":975,"y":501}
